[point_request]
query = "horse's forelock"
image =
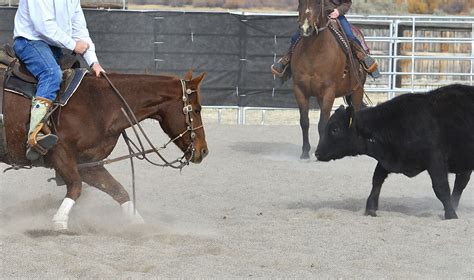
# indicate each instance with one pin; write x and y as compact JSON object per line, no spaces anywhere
{"x":314,"y":5}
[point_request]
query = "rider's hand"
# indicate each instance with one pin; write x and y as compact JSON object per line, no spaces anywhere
{"x":81,"y":47}
{"x":97,"y":69}
{"x":335,"y":14}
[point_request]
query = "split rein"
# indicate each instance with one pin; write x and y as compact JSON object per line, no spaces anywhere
{"x":138,"y":151}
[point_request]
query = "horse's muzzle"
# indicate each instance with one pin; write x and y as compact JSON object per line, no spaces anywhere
{"x":307,"y":32}
{"x":307,"y":29}
{"x":199,"y":155}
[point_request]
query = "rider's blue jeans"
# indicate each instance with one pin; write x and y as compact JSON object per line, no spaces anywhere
{"x":345,"y":26}
{"x":347,"y":29}
{"x":40,"y":59}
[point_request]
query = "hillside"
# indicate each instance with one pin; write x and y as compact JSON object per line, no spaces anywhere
{"x":440,"y":7}
{"x":364,"y":7}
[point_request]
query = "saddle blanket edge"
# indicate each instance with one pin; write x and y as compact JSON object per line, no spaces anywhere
{"x":27,"y":90}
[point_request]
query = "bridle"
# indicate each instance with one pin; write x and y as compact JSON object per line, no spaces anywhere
{"x":315,"y":24}
{"x":138,"y":151}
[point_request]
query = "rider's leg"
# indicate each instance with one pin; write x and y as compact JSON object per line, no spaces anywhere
{"x":40,"y":60}
{"x":280,"y":66}
{"x":366,"y":60}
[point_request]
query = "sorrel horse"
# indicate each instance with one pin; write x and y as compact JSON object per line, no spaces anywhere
{"x":318,"y":67}
{"x":90,"y":125}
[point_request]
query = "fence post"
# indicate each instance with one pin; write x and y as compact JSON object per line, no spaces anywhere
{"x":472,"y":52}
{"x":243,"y":41}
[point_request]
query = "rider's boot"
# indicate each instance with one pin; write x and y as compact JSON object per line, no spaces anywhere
{"x":367,"y":62}
{"x":279,"y":67}
{"x":40,"y":138}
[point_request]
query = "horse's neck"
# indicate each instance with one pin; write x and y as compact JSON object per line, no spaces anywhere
{"x":143,"y":95}
{"x":322,"y":41}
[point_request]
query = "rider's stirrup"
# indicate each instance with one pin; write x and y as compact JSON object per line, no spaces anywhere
{"x":280,"y":67}
{"x":371,"y":67}
{"x":43,"y":144}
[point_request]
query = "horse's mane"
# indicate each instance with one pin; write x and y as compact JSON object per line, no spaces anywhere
{"x":165,"y":77}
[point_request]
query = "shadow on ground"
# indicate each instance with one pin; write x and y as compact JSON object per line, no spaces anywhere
{"x":418,"y":207}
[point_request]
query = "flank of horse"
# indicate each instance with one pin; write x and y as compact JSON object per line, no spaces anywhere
{"x":90,"y":125}
{"x":319,"y":69}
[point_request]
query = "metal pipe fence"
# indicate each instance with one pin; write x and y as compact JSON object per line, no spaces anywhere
{"x":397,"y":26}
{"x":415,"y":53}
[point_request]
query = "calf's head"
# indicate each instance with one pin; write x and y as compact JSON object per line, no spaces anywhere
{"x":338,"y":139}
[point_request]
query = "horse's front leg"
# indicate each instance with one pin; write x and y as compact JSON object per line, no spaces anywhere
{"x":358,"y":98}
{"x":303,"y":105}
{"x":326,"y":101}
{"x":101,"y":179}
{"x":66,"y":167}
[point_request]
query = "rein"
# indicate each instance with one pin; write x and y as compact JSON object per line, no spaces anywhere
{"x":138,"y":151}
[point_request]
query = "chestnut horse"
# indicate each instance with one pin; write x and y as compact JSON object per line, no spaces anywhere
{"x":318,"y":67}
{"x":92,"y":122}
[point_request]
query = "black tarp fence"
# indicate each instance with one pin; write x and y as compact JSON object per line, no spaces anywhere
{"x":235,"y":50}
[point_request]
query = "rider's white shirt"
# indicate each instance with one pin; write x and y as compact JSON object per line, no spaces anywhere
{"x":59,"y":23}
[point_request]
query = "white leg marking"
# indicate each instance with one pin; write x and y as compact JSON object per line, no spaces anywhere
{"x":60,"y":219}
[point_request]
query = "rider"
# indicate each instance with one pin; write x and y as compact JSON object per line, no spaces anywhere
{"x":337,"y":9}
{"x":42,"y":29}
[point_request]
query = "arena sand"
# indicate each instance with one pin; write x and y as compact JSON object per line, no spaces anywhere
{"x":252,"y":209}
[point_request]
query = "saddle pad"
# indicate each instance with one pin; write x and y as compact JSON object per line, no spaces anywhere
{"x":338,"y":34}
{"x":360,"y":36}
{"x":68,"y":86}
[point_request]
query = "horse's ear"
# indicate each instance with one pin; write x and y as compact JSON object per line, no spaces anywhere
{"x":199,"y":78}
{"x":189,"y":75}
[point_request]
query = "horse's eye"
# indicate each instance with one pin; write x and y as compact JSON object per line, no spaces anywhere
{"x":197,"y":110}
{"x":335,"y":130}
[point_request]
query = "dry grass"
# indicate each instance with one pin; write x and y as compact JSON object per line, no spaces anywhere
{"x":203,"y":8}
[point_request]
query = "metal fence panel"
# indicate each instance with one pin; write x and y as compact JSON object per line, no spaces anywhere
{"x":237,"y":49}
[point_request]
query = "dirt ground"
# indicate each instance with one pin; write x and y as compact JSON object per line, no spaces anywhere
{"x":252,"y":209}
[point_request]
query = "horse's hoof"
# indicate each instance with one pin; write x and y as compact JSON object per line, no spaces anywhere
{"x":449,"y":216}
{"x":137,"y":220}
{"x":60,"y":226}
{"x":371,"y":213}
{"x":133,"y":217}
{"x":304,"y":156}
{"x":32,"y":154}
{"x":60,"y":222}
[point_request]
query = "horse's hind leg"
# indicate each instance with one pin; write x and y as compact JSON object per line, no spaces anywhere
{"x":303,"y":104}
{"x":66,"y":167}
{"x":101,"y":179}
{"x":459,"y":184}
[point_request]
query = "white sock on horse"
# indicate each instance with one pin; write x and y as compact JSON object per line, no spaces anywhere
{"x":60,"y":219}
{"x":132,"y":216}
